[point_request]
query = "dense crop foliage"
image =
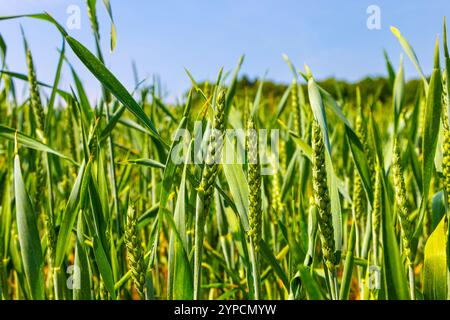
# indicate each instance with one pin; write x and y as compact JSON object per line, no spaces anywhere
{"x":350,"y":203}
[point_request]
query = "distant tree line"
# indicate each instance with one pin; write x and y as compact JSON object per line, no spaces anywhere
{"x":342,"y":90}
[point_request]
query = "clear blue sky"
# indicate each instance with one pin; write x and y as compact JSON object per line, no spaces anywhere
{"x":203,"y":35}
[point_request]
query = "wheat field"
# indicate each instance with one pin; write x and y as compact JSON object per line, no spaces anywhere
{"x":130,"y":197}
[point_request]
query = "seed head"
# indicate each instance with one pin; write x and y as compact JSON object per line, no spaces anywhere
{"x":135,"y":256}
{"x":254,"y":184}
{"x":321,"y":197}
{"x":214,"y":152}
{"x":401,"y":201}
{"x":376,"y":212}
{"x":295,"y":104}
{"x":36,"y":103}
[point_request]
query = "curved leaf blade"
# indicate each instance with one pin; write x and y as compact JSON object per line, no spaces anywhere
{"x":30,"y":243}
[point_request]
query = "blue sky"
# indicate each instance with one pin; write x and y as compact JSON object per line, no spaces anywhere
{"x":163,"y":37}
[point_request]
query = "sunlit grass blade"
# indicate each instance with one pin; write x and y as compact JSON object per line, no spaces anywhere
{"x":435,"y":265}
{"x":70,"y":212}
{"x":29,"y":142}
{"x":411,"y":54}
{"x":30,"y":243}
{"x":432,"y":118}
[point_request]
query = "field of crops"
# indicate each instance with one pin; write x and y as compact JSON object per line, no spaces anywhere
{"x":236,"y":194}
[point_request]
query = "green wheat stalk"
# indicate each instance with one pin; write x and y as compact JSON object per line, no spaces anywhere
{"x":206,"y":187}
